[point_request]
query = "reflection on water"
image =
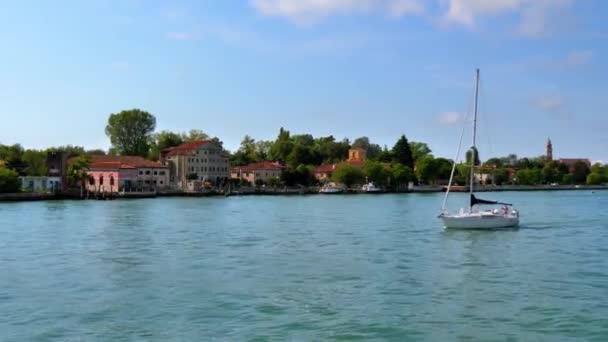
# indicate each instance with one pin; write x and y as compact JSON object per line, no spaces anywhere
{"x":301,"y":268}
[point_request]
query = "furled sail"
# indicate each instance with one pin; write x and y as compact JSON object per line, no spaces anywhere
{"x":475,"y":201}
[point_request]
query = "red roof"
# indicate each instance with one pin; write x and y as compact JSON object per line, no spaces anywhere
{"x":274,"y":166}
{"x":121,"y":162}
{"x":325,"y":168}
{"x":185,"y":149}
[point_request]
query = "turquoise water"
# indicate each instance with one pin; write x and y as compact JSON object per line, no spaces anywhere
{"x":301,"y":269}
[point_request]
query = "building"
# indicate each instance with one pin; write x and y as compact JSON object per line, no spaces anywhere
{"x":549,"y":151}
{"x":356,"y":157}
{"x":202,"y":161}
{"x":257,"y":172}
{"x":41,"y":184}
{"x":111,"y":174}
{"x":57,"y":165}
{"x":571,"y":162}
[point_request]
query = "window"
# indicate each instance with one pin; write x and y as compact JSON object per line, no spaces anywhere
{"x":161,"y":182}
{"x":141,"y":172}
{"x":155,"y":181}
{"x":155,"y":173}
{"x":91,"y":181}
{"x":101,"y":180}
{"x":205,"y":151}
{"x":111,"y":180}
{"x":148,"y":172}
{"x":162,"y":173}
{"x":147,"y":182}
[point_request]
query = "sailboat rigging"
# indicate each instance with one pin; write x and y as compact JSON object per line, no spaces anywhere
{"x":507,"y":217}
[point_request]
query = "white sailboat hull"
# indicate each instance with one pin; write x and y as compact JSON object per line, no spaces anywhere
{"x":480,"y":221}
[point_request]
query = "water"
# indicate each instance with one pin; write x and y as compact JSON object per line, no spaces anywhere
{"x":302,"y":268}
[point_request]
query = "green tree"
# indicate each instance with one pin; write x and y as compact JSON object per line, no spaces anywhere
{"x":402,"y":153}
{"x":473,"y":152}
{"x":580,"y":171}
{"x":162,"y":141}
{"x":246,"y":153}
{"x":195,"y":135}
{"x":529,"y":176}
{"x":419,"y":150}
{"x":568,"y":179}
{"x":78,"y":172}
{"x":426,"y":170}
{"x":347,"y":175}
{"x":595,"y":179}
{"x":331,"y":151}
{"x":401,"y":175}
{"x":11,"y":155}
{"x":373,"y":150}
{"x":9,"y":181}
{"x":96,"y":152}
{"x":501,"y":176}
{"x":498,"y":162}
{"x":35,"y":162}
{"x":129,"y":131}
{"x":375,"y":172}
{"x":70,"y":150}
{"x":262,"y":150}
{"x":550,"y":173}
{"x":301,"y":175}
{"x":282,"y":146}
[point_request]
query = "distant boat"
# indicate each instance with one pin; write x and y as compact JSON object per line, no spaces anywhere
{"x":370,"y":188}
{"x":330,"y":188}
{"x":505,"y":217}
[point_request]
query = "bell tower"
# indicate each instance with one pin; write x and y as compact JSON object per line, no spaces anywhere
{"x":549,"y":152}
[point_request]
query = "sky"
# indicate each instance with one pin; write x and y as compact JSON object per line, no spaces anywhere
{"x":347,"y":68}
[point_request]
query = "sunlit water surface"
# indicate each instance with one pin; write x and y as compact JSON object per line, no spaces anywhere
{"x":302,"y":268}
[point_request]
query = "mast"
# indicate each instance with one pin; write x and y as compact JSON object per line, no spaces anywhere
{"x":474,"y":149}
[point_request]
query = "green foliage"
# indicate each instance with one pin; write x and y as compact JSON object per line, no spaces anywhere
{"x":282,"y":146}
{"x":568,"y":179}
{"x":163,"y":140}
{"x":262,"y":149}
{"x":419,"y":150}
{"x":246,"y":153}
{"x":426,"y":170}
{"x":373,"y":150}
{"x":129,"y":131}
{"x":195,"y":135}
{"x":580,"y":172}
{"x":12,"y":155}
{"x":301,"y":175}
{"x":9,"y":181}
{"x":498,"y":162}
{"x":274,"y":182}
{"x":470,"y":153}
{"x":402,"y":153}
{"x":529,"y":176}
{"x":400,"y":175}
{"x":347,"y":175}
{"x":36,"y":163}
{"x":77,"y":172}
{"x":376,"y":172}
{"x":595,"y":178}
{"x":501,"y":176}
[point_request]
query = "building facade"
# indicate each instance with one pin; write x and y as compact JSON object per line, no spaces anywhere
{"x":549,"y":151}
{"x":41,"y":184}
{"x":111,"y":174}
{"x":196,"y":161}
{"x":257,"y":172}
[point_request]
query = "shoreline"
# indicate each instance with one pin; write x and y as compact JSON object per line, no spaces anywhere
{"x":34,"y":197}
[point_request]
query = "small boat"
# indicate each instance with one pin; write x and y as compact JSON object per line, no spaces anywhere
{"x":473,"y":218}
{"x":330,"y":188}
{"x":370,"y":188}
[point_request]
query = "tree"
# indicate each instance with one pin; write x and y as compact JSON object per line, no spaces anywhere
{"x":373,"y":150}
{"x":347,"y":175}
{"x":96,"y":152}
{"x":282,"y":146}
{"x":498,"y":162}
{"x":331,"y":151}
{"x":550,"y":173}
{"x":375,"y":172}
{"x":419,"y":150}
{"x":400,"y":175}
{"x":568,"y":179}
{"x":501,"y":176}
{"x":473,"y":152}
{"x":443,"y":168}
{"x":12,"y":157}
{"x":35,"y":162}
{"x":262,"y":149}
{"x":195,"y":135}
{"x":129,"y":131}
{"x":426,"y":170}
{"x":70,"y":150}
{"x":301,"y":175}
{"x":402,"y":153}
{"x":529,"y":176}
{"x":386,"y":156}
{"x":78,"y":172}
{"x":580,"y":171}
{"x":595,"y":179}
{"x":9,"y":181}
{"x":246,"y":153}
{"x":162,"y":141}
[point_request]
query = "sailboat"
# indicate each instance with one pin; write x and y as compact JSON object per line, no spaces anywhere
{"x":476,"y":218}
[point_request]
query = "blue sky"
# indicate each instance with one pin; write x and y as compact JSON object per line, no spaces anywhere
{"x":349,"y":68}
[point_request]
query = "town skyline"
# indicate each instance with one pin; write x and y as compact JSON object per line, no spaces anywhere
{"x":348,"y":69}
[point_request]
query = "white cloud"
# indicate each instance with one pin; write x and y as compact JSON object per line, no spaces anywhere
{"x":184,"y":35}
{"x":553,"y":104}
{"x":577,"y":58}
{"x":536,"y":16}
{"x":450,"y":118}
{"x":307,"y":11}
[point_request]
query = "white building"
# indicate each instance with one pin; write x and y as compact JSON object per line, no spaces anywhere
{"x":40,"y":184}
{"x":204,"y":161}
